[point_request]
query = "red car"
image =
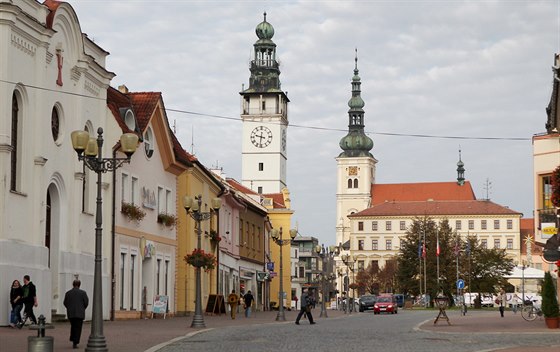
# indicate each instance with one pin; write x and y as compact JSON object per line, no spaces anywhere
{"x":386,"y":304}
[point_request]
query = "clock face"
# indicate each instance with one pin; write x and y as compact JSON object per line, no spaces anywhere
{"x":261,"y":136}
{"x":284,"y":140}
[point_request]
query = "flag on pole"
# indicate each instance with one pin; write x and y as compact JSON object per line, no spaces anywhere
{"x":468,"y":249}
{"x":456,"y":250}
{"x":437,"y":248}
{"x":423,"y":250}
{"x":419,"y":249}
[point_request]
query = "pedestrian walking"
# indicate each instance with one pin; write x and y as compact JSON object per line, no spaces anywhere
{"x":248,"y":299}
{"x":233,"y":301}
{"x":514,"y":303}
{"x":16,"y":300}
{"x":305,"y":308}
{"x":29,"y":298}
{"x":502,"y":301}
{"x":76,"y":301}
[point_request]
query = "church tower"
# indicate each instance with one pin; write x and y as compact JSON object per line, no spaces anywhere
{"x":355,"y":165}
{"x":264,"y":112}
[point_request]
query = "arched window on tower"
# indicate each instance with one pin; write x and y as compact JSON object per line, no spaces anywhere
{"x":355,"y":183}
{"x":349,"y":183}
{"x":15,"y":158}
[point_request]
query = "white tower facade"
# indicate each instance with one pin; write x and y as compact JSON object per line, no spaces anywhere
{"x":264,"y":112}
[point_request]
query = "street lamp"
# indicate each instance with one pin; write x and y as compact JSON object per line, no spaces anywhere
{"x":277,"y":238}
{"x":349,"y":262}
{"x":192,"y":206}
{"x":326,"y":254}
{"x":89,"y":151}
{"x":523,"y":267}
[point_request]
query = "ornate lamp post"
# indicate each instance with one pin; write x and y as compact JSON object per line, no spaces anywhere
{"x":349,"y":262}
{"x":192,"y":206}
{"x":89,"y":151}
{"x":326,"y":255}
{"x":277,"y":238}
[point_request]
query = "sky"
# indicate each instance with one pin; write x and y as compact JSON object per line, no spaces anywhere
{"x":437,"y":77}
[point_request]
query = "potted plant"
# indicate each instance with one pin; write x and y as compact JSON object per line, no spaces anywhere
{"x":214,"y":237}
{"x":166,"y":219}
{"x":555,"y":180}
{"x":549,"y":302}
{"x":132,"y":211}
{"x":200,"y":259}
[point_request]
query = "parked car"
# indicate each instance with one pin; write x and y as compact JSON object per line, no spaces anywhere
{"x":386,"y":304}
{"x":400,"y":299}
{"x":367,"y":302}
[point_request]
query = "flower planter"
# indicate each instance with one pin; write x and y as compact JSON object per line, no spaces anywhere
{"x":551,"y":323}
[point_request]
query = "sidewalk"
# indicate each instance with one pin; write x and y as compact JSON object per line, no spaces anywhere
{"x":141,"y":335}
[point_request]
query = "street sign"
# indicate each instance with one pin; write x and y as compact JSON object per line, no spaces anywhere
{"x":272,"y":274}
{"x":460,"y":284}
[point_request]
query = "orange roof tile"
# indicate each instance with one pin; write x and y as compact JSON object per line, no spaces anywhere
{"x":277,"y":200}
{"x":435,"y":208}
{"x":424,"y":191}
{"x":144,"y":104}
{"x":238,"y":186}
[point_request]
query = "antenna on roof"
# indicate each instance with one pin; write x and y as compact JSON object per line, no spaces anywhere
{"x":488,"y":188}
{"x":192,"y":140}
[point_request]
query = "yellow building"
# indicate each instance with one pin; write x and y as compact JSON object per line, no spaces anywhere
{"x":280,"y":214}
{"x":197,"y":180}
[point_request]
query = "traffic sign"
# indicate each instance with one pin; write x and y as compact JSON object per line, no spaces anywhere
{"x":460,"y":284}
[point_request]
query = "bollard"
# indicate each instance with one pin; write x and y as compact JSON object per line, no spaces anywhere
{"x":40,"y":343}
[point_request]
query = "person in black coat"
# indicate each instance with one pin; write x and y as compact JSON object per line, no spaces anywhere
{"x":29,"y":298}
{"x":16,"y":300}
{"x":76,"y":302}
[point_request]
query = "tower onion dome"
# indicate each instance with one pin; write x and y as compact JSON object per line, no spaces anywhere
{"x":264,"y":29}
{"x":356,"y":143}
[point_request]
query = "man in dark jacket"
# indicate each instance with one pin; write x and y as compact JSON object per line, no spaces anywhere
{"x":305,"y":307}
{"x":76,"y":302}
{"x":29,"y":298}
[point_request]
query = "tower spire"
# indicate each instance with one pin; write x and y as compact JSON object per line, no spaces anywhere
{"x":460,"y":170}
{"x":356,"y":142}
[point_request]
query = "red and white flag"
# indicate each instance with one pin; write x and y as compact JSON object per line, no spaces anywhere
{"x":437,"y":248}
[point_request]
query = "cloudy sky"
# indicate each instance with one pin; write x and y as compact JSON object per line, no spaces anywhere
{"x":436,"y":76}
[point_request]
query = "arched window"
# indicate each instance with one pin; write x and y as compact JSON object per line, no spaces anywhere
{"x":149,"y":142}
{"x":15,"y":141}
{"x":55,"y":124}
{"x":349,"y":183}
{"x":355,"y":183}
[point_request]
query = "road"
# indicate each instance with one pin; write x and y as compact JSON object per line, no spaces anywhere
{"x":358,"y":332}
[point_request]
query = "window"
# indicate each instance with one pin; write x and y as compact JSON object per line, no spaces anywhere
{"x":403,"y":225}
{"x":360,"y":245}
{"x":458,"y":224}
{"x":264,"y":106}
{"x":301,"y":271}
{"x":546,"y":192}
{"x":374,"y":226}
{"x":471,"y":224}
{"x":124,"y":185}
{"x":509,"y":224}
{"x":166,"y":278}
{"x":496,"y":243}
{"x":375,"y":265}
{"x":240,"y":232}
{"x":16,"y":153}
{"x":388,"y":245}
{"x":374,"y":245}
{"x":360,"y":265}
{"x":134,"y":190}
{"x":509,"y":243}
{"x":484,"y":243}
{"x":496,"y":224}
{"x":360,"y":226}
{"x":168,"y":208}
{"x":161,"y":207}
{"x":132,"y":263}
{"x":349,"y":183}
{"x":483,"y":224}
{"x":259,"y":190}
{"x":149,"y":142}
{"x":261,"y":166}
{"x":388,"y":225}
{"x":355,"y":183}
{"x":55,"y":124}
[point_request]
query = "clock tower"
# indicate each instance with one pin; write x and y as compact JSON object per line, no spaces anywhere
{"x":264,"y":112}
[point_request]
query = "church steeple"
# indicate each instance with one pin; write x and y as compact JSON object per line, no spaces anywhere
{"x":460,"y":171}
{"x":265,"y":70}
{"x":356,"y":143}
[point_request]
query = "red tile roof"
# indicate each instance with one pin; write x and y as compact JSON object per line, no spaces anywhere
{"x":436,"y":208}
{"x":144,"y":104}
{"x":238,"y":186}
{"x":277,"y":200}
{"x":424,"y":191}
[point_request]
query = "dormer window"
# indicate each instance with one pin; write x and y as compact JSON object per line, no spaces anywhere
{"x":129,"y":119}
{"x":149,"y":142}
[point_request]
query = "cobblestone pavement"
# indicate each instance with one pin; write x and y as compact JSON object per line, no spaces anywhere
{"x":406,"y":331}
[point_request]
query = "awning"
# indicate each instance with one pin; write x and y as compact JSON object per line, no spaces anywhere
{"x":528,"y":273}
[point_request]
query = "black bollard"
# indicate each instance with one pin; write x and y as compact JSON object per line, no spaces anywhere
{"x":41,"y":343}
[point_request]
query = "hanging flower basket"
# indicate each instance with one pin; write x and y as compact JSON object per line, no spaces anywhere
{"x":214,"y":237}
{"x":132,"y":211}
{"x":200,"y":259}
{"x":166,"y":219}
{"x":555,"y":196}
